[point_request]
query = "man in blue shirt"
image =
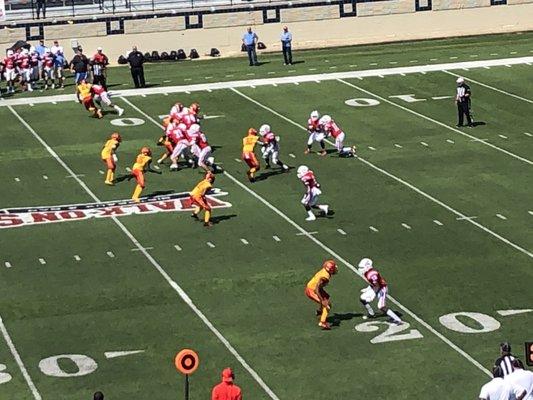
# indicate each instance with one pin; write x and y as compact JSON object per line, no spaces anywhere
{"x":250,"y":40}
{"x":40,"y":48}
{"x":286,"y":39}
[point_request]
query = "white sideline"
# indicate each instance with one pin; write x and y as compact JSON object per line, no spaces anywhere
{"x":16,"y":356}
{"x":307,"y":234}
{"x":282,"y":80}
{"x":152,"y":260}
{"x":403,"y":182}
{"x":490,"y":87}
{"x":474,"y":138}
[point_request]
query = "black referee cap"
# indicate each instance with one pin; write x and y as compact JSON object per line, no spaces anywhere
{"x":505,"y":347}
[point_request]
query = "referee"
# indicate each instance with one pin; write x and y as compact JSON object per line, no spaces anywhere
{"x":462,"y":99}
{"x":136,"y":61}
{"x":505,"y":361}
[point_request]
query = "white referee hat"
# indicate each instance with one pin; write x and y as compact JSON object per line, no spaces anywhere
{"x":460,"y":80}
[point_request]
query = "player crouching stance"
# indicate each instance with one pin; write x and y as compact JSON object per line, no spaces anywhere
{"x":199,"y":200}
{"x":315,"y":291}
{"x":142,"y":164}
{"x":332,"y":129}
{"x":270,"y":148}
{"x":109,"y":157}
{"x":377,"y":288}
{"x":310,"y":198}
{"x":248,"y":155}
{"x":85,"y":97}
{"x":316,"y":133}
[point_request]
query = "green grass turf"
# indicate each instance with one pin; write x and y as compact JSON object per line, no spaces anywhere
{"x":254,"y":293}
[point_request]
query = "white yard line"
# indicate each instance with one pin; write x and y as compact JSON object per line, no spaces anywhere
{"x":474,"y":138}
{"x":403,"y":182}
{"x":283,"y":80}
{"x":182,"y":294}
{"x":491,"y":87}
{"x":16,"y":356}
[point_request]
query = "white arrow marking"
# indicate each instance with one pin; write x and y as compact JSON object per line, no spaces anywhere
{"x":506,"y":313}
{"x":115,"y":354}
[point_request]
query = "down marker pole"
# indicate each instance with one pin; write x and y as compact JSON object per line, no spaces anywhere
{"x":186,"y":362}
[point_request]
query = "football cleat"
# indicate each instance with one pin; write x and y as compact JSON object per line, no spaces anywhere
{"x":208,"y":224}
{"x":311,"y":217}
{"x":324,"y":326}
{"x":324,"y":208}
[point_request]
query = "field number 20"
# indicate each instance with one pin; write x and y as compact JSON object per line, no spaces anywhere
{"x":481,"y":323}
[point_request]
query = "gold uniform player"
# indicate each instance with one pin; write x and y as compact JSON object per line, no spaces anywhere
{"x":248,"y":155}
{"x":142,"y":164}
{"x":199,"y":200}
{"x":109,"y":156}
{"x":315,"y":291}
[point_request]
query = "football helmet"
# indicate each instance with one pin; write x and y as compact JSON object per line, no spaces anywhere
{"x":252,"y":132}
{"x":194,"y":108}
{"x":301,"y":171}
{"x":264,"y":129}
{"x":326,"y":119}
{"x":146,"y":151}
{"x":460,"y":80}
{"x":315,"y":115}
{"x":330,"y":266}
{"x":194,"y":129}
{"x":365,"y":264}
{"x":10,"y":53}
{"x":116,"y":136}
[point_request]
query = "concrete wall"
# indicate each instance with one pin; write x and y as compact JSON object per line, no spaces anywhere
{"x":321,"y":26}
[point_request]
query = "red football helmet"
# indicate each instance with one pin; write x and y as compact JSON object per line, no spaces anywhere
{"x":146,"y":151}
{"x":116,"y":136}
{"x":252,"y":132}
{"x":330,"y":266}
{"x":195,"y":108}
{"x":210,"y":176}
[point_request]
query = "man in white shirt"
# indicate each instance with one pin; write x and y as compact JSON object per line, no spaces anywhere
{"x":56,"y":48}
{"x":521,"y":377}
{"x":500,"y":389}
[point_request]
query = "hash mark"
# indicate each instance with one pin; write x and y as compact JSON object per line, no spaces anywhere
{"x":17,"y":179}
{"x":209,"y":90}
{"x":156,"y":167}
{"x":110,"y":254}
{"x":275,"y":84}
{"x":466,"y":69}
{"x":373,"y":229}
{"x":312,"y":69}
{"x":513,"y":52}
{"x":353,"y":65}
{"x":508,"y":66}
{"x":101,"y":172}
{"x":8,"y":264}
{"x":373,"y":63}
{"x":211,"y":245}
{"x":31,"y":104}
{"x":341,"y":231}
{"x":432,"y":59}
{"x":500,"y":216}
{"x":54,"y":102}
{"x":143,"y":95}
{"x":271,"y":73}
{"x":128,"y":169}
{"x":292,"y":70}
{"x":424,"y":144}
{"x":530,"y":212}
{"x":413,"y":61}
{"x":237,"y":159}
{"x":317,"y":81}
{"x":187,"y":92}
{"x":42,"y":261}
{"x":167,"y":81}
{"x":473,"y":55}
{"x":454,"y":58}
{"x":486,"y":67}
{"x":292,"y":155}
{"x":493,"y":54}
{"x":296,"y":83}
{"x":251,"y":74}
{"x":405,"y":225}
{"x":244,"y":241}
{"x":77,"y":257}
{"x":190,"y":79}
{"x":381,"y":76}
{"x":438,"y":222}
{"x":528,"y":134}
{"x":333,"y":67}
{"x":396,"y":62}
{"x":252,"y":86}
{"x":503,"y":136}
{"x":450,"y":141}
{"x":230,"y":76}
{"x":371,"y":148}
{"x":208,"y":77}
{"x":276,"y":238}
{"x":177,"y":247}
{"x":397,"y":145}
{"x":423,"y":72}
{"x":45,"y":177}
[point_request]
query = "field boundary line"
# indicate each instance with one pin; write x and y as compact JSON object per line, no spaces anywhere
{"x":336,"y":255}
{"x":403,"y":182}
{"x":368,"y":73}
{"x":18,"y":360}
{"x":475,"y":138}
{"x":177,"y":288}
{"x":490,"y":87}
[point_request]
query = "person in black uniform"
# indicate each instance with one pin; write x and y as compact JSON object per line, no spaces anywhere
{"x":462,"y":99}
{"x":136,"y":61}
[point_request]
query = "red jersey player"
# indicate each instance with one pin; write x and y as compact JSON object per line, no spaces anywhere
{"x":270,"y":149}
{"x":310,"y":199}
{"x":332,"y":129}
{"x":101,"y":95}
{"x":178,"y":133}
{"x":10,"y":73}
{"x":378,"y":288}
{"x":316,"y":133}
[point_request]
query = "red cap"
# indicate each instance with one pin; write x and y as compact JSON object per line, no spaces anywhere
{"x":227,"y":375}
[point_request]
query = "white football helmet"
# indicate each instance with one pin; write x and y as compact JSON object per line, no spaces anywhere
{"x":25,"y":51}
{"x":326,"y":119}
{"x":301,"y":171}
{"x":194,"y":129}
{"x":315,"y":115}
{"x":264,"y":129}
{"x":9,"y":53}
{"x":460,"y":80}
{"x":365,"y":264}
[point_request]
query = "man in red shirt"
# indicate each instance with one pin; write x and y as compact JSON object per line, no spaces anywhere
{"x":226,"y":390}
{"x":99,"y":64}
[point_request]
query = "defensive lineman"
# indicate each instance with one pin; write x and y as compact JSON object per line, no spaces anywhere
{"x":310,"y":198}
{"x":378,"y":288}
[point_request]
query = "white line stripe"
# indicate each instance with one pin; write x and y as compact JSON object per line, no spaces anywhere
{"x":276,"y":238}
{"x":16,"y":356}
{"x":373,"y":229}
{"x":42,"y":261}
{"x":491,"y":87}
{"x":8,"y":264}
{"x":342,"y":232}
{"x":285,"y":79}
{"x":177,"y":247}
{"x":397,"y":179}
{"x":152,"y":260}
{"x":77,"y":257}
{"x":211,"y":245}
{"x":438,"y":122}
{"x":500,"y":216}
{"x":244,"y":241}
{"x":438,"y":222}
{"x":115,"y":354}
{"x":405,"y":225}
{"x":110,"y":254}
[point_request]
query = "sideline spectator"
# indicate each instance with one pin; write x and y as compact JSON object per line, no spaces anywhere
{"x":41,"y":6}
{"x":40,"y":48}
{"x":250,"y":41}
{"x":99,"y":63}
{"x":521,"y":377}
{"x":56,"y":48}
{"x":79,"y":65}
{"x":98,"y":396}
{"x":59,"y":64}
{"x":136,"y":61}
{"x":500,"y":389}
{"x":505,"y":361}
{"x":462,"y":99}
{"x":226,"y":390}
{"x":286,"y":39}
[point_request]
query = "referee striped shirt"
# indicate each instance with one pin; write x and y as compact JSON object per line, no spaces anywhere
{"x":505,"y":363}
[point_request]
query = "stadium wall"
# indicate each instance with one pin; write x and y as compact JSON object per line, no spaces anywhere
{"x":331,"y":23}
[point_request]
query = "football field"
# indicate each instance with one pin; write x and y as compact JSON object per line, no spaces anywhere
{"x":100,"y":297}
